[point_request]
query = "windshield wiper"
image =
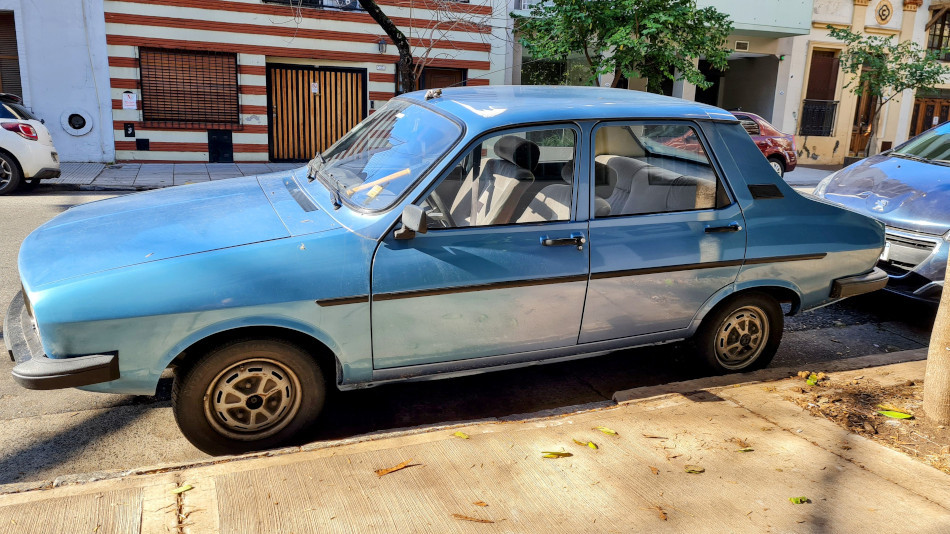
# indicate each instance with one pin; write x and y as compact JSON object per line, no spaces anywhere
{"x":312,"y":168}
{"x":335,"y":197}
{"x":912,"y":157}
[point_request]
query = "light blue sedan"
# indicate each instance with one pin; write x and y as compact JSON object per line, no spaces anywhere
{"x":450,"y":232}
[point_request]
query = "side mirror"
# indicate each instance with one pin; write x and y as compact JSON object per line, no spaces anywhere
{"x":413,"y":221}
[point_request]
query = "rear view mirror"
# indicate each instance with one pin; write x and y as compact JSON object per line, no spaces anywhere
{"x":413,"y":221}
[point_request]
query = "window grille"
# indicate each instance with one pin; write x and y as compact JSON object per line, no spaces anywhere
{"x":185,"y":88}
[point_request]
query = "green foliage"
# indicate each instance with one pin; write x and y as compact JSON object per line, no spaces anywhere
{"x":652,"y":39}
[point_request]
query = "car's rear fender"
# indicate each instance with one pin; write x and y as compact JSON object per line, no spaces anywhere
{"x":780,"y":290}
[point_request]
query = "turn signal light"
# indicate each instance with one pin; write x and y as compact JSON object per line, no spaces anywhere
{"x":25,"y":130}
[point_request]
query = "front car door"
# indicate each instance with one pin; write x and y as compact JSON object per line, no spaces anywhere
{"x":672,"y":238}
{"x":503,"y":267}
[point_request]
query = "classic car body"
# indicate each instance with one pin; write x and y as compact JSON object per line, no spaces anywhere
{"x":118,"y":290}
{"x":907,"y":189}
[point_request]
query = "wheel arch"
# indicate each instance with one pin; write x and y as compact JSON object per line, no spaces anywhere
{"x":782,"y":291}
{"x":320,"y":350}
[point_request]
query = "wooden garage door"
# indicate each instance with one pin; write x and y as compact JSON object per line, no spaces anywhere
{"x":311,"y":107}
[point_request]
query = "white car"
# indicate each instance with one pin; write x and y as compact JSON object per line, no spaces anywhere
{"x":26,"y":148}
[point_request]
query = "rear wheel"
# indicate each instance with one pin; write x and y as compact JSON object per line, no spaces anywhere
{"x":248,"y":395}
{"x":10,"y":175}
{"x":778,"y":165}
{"x":741,"y":334}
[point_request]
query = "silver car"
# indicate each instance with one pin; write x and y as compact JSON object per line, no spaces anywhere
{"x":908,"y":189}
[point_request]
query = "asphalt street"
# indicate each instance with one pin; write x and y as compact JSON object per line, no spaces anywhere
{"x":58,"y":433}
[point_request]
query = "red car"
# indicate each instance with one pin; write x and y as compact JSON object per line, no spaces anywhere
{"x":777,"y":147}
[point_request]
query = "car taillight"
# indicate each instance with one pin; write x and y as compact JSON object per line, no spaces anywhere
{"x":25,"y":130}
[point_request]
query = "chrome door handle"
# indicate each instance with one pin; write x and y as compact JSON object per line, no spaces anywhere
{"x":731,"y":227}
{"x":576,"y":240}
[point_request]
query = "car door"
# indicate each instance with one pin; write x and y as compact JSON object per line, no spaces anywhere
{"x":503,"y":266}
{"x":672,"y":238}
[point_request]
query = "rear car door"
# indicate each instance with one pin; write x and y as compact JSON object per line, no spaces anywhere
{"x":673,"y":236}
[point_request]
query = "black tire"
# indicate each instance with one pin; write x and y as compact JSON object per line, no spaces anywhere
{"x":10,"y":174}
{"x":752,"y":321}
{"x":778,"y":164}
{"x":218,"y":418}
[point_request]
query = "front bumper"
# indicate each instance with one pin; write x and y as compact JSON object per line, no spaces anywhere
{"x":34,"y":370}
{"x":859,"y":284}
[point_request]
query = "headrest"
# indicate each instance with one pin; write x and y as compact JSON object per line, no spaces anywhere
{"x":616,"y":141}
{"x":521,"y":152}
{"x":567,"y":172}
{"x":601,"y":207}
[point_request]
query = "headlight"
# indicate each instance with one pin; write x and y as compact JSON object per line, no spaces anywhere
{"x":823,"y":184}
{"x":946,"y":236}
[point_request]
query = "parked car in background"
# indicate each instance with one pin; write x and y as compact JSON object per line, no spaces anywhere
{"x":777,"y":147}
{"x":27,"y":154}
{"x":450,"y":232}
{"x":908,"y":189}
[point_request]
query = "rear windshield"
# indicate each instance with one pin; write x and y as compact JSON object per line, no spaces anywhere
{"x":377,"y":161}
{"x":19,"y":112}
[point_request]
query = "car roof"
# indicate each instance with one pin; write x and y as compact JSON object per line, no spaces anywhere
{"x":502,"y":105}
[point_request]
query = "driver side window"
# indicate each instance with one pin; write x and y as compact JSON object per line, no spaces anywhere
{"x":516,"y":177}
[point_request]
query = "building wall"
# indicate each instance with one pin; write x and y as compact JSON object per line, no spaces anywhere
{"x":262,"y":33}
{"x":63,"y":68}
{"x":906,"y":22}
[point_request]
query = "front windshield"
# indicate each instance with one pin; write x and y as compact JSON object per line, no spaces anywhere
{"x":374,"y":164}
{"x":933,"y":145}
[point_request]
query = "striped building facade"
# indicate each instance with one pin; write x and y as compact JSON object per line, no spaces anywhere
{"x":275,"y":80}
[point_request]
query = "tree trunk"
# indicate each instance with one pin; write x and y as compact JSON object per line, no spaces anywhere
{"x":406,"y":70}
{"x":937,"y":380}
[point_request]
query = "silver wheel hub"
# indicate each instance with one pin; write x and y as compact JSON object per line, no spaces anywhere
{"x":253,"y":399}
{"x":777,"y":166}
{"x":742,"y":337}
{"x":6,"y":173}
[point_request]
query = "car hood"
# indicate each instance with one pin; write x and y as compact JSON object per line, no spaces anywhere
{"x":146,"y":227}
{"x":903,"y":193}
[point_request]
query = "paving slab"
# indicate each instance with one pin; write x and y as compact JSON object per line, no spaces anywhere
{"x":497,"y":480}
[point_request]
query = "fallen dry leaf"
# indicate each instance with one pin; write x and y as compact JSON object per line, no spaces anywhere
{"x":382,"y":472}
{"x":480,"y":503}
{"x":660,"y":512}
{"x":461,"y":434}
{"x":655,"y":470}
{"x":694,"y":469}
{"x":607,"y":431}
{"x":182,"y":489}
{"x":555,"y":454}
{"x":472,"y":519}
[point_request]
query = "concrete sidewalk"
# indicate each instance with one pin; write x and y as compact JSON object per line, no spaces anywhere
{"x":498,"y":481}
{"x":137,"y":176}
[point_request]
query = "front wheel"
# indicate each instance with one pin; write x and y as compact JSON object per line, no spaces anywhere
{"x":248,"y":395}
{"x":741,"y":334}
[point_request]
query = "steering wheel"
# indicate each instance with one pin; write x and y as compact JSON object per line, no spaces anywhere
{"x":441,"y":212}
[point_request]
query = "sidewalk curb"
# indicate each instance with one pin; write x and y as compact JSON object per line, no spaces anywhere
{"x":766,"y":375}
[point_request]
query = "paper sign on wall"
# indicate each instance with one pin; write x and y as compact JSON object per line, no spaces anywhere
{"x":315,"y":88}
{"x":128,"y":100}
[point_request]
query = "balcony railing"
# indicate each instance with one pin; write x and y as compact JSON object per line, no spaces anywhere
{"x":818,"y":117}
